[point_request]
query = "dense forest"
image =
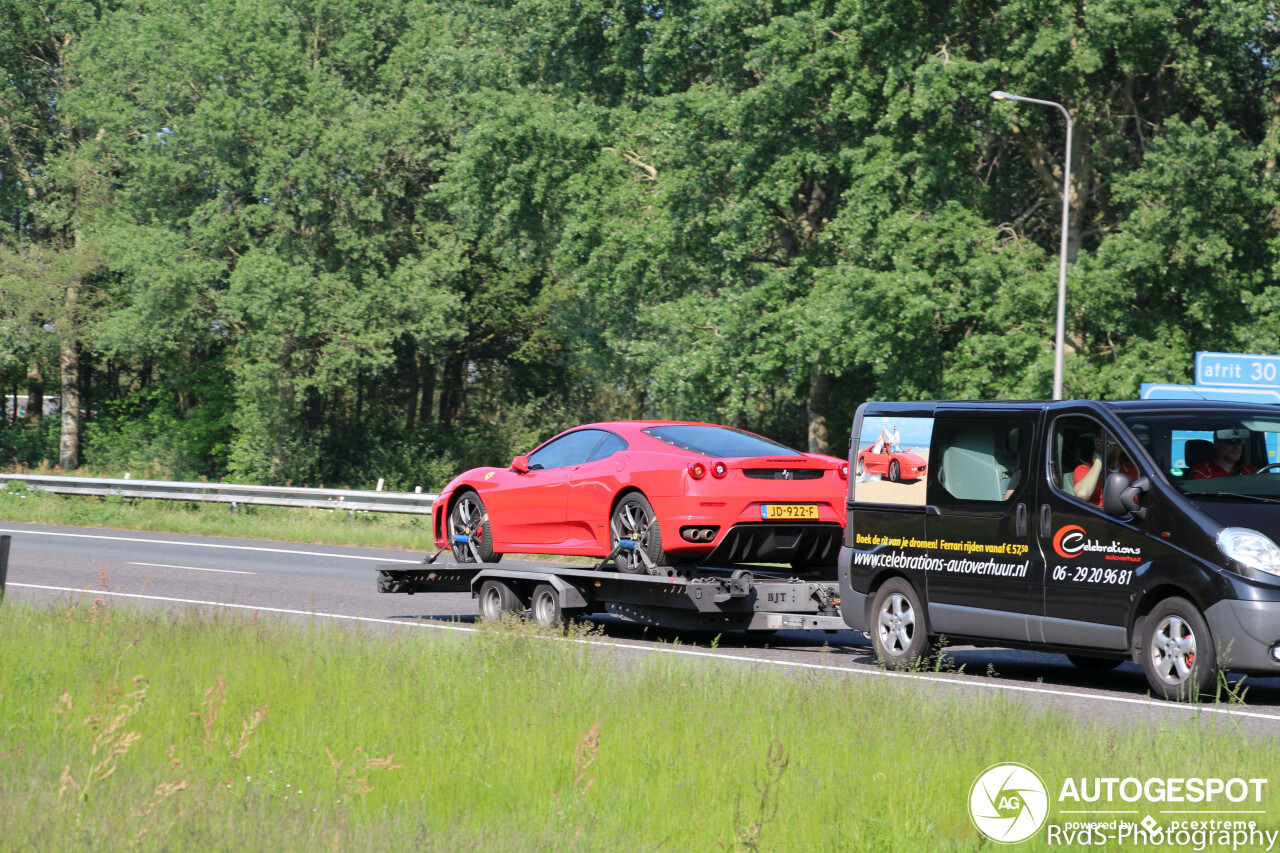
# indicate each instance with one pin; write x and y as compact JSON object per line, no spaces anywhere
{"x":323,"y":241}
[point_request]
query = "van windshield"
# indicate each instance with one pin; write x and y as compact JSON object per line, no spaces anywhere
{"x":1232,"y":455}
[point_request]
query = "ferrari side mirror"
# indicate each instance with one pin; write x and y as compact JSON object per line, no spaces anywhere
{"x":520,"y":464}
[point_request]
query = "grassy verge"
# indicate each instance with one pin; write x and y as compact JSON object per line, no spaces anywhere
{"x":122,"y":730}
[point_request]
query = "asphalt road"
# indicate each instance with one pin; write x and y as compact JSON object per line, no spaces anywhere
{"x":48,"y":564}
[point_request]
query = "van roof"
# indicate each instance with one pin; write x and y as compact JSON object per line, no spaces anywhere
{"x":1117,"y":406}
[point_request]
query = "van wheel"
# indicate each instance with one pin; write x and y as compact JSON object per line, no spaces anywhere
{"x":1095,"y":664}
{"x":1177,"y":651}
{"x":894,"y":471}
{"x":898,"y":632}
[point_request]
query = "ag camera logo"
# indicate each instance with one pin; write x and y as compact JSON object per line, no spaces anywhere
{"x":1008,"y":803}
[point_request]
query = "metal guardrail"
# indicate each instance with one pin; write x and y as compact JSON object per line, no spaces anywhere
{"x":366,"y":500}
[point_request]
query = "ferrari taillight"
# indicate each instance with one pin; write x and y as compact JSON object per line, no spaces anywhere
{"x":843,"y":470}
{"x":719,"y":470}
{"x":697,"y":470}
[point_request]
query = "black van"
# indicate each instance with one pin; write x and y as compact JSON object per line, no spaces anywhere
{"x":1104,"y":531}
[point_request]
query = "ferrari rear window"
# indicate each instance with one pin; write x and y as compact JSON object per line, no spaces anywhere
{"x":724,"y":442}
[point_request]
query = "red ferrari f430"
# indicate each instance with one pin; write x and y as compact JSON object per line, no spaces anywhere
{"x":651,"y":493}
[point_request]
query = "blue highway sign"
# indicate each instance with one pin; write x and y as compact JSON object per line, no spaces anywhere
{"x":1238,"y":370}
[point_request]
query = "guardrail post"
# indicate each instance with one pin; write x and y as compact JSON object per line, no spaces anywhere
{"x":4,"y":562}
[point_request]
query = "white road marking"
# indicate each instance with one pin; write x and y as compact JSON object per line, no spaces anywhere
{"x":717,"y":655}
{"x":207,"y":545}
{"x":193,"y":568}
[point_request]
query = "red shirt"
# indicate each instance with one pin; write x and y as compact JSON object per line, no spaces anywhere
{"x":1208,"y":469}
{"x":1126,"y":468}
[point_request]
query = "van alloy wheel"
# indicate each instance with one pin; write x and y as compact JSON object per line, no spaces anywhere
{"x":1178,"y":655}
{"x":897,"y":624}
{"x":899,"y":634}
{"x":1173,"y":650}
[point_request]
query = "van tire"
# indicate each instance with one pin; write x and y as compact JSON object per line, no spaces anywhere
{"x":898,"y":632}
{"x":1178,"y":655}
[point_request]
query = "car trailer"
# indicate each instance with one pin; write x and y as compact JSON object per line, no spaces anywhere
{"x":756,"y":598}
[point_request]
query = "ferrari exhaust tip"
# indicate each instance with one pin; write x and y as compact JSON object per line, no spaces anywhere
{"x":699,"y":534}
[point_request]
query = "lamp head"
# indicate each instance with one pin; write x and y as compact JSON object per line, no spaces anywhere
{"x":999,"y":96}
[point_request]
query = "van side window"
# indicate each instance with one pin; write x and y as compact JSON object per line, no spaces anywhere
{"x":984,"y":460}
{"x":1083,"y":452}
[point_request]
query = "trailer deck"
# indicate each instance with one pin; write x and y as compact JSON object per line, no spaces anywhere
{"x":747,"y":598}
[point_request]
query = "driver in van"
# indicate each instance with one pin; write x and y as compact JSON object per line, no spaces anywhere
{"x":1228,"y":447}
{"x":1088,"y":478}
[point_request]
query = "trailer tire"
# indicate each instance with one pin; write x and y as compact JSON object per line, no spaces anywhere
{"x":467,"y":517}
{"x":545,"y":606}
{"x":634,"y":516}
{"x":496,"y":598}
{"x":898,"y":632}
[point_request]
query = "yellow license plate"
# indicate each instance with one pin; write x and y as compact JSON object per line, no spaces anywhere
{"x":789,"y":511}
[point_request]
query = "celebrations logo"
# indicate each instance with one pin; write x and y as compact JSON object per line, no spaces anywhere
{"x":1069,"y":541}
{"x":1008,"y":803}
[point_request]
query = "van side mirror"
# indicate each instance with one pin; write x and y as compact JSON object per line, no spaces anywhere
{"x":520,"y":464}
{"x":1121,"y":498}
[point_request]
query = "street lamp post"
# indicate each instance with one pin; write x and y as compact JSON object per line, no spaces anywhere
{"x":1062,"y":251}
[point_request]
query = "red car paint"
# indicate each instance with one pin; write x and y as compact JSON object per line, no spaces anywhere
{"x":910,"y":466}
{"x":566,"y":509}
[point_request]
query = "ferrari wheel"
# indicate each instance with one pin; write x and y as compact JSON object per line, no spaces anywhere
{"x":894,"y":471}
{"x":470,"y":537}
{"x":862,"y":469}
{"x":634,"y":522}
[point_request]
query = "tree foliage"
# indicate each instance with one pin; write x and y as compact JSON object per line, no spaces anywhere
{"x":308,"y":242}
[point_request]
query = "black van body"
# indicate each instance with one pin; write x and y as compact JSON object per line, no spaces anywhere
{"x":998,"y":542}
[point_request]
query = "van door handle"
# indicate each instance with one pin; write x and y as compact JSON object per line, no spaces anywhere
{"x":1046,"y":521}
{"x":1020,"y":520}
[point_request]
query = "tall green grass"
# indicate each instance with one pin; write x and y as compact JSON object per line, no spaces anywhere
{"x":122,"y":730}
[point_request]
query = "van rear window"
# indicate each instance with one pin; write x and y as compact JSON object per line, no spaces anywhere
{"x":891,"y":464}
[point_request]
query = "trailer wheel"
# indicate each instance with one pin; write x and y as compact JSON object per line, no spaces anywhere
{"x":497,"y":598}
{"x":469,"y":520}
{"x":634,"y":519}
{"x":545,"y":606}
{"x":898,"y":632}
{"x":1178,"y":656}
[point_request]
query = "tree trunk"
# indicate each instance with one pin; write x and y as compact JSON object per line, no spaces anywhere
{"x":415,"y":381}
{"x":819,"y":400}
{"x":69,"y":444}
{"x":428,"y":371}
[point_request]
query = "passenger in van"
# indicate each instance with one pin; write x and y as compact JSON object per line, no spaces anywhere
{"x":1088,"y":478}
{"x":1228,"y":447}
